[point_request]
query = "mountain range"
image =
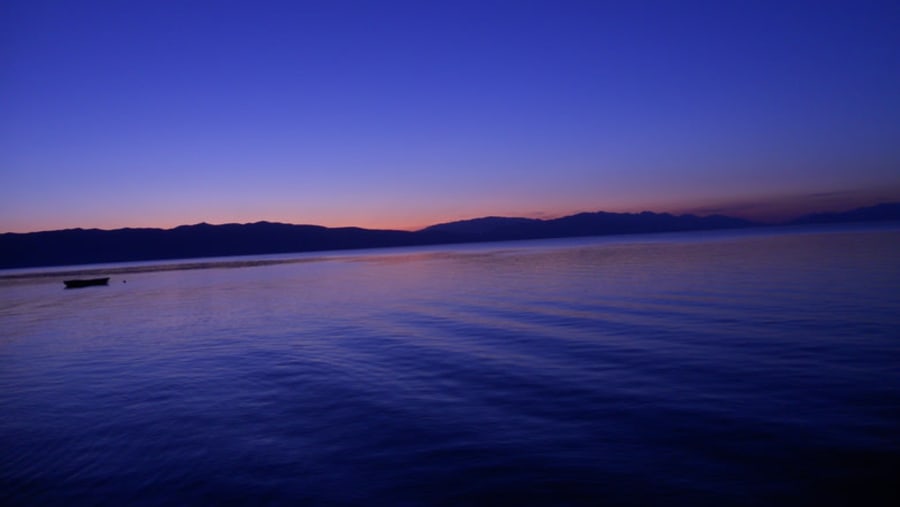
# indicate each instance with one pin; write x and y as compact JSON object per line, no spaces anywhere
{"x":88,"y":246}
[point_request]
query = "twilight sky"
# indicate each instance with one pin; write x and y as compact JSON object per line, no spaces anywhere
{"x":391,"y":114}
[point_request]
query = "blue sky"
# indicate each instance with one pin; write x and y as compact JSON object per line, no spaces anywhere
{"x":402,"y":114}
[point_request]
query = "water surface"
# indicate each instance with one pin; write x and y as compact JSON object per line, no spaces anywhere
{"x":676,"y":369}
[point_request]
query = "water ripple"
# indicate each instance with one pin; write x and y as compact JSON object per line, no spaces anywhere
{"x":693,"y":370}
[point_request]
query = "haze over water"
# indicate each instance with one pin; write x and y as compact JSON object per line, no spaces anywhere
{"x":721,"y":368}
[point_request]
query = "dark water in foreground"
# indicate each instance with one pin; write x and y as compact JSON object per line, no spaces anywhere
{"x":683,"y":369}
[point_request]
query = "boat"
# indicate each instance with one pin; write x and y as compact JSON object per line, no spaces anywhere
{"x":77,"y":284}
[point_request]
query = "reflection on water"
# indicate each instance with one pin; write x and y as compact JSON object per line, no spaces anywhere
{"x":688,"y":369}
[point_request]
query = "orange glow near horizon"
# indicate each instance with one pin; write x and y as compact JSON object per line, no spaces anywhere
{"x":761,"y":208}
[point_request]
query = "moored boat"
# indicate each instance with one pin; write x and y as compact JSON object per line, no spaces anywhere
{"x":76,"y":284}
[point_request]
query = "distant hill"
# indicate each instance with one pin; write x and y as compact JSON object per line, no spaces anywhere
{"x":878,"y":213}
{"x":482,"y":226}
{"x":88,"y":246}
{"x":582,"y":224}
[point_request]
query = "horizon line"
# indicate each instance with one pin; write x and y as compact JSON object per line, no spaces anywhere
{"x":421,"y":228}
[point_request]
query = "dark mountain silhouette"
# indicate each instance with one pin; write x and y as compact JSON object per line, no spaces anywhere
{"x":87,"y":246}
{"x":582,"y":224}
{"x":879,"y":213}
{"x":482,"y":226}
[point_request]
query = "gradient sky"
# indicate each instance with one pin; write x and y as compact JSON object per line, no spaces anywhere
{"x":402,"y":114}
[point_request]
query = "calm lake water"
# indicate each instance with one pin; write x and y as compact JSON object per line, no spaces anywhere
{"x":727,"y":368}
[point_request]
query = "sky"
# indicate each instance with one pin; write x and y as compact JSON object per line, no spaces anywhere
{"x":386,"y":114}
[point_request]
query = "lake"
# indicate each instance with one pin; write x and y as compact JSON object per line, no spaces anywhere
{"x":757,"y":367}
